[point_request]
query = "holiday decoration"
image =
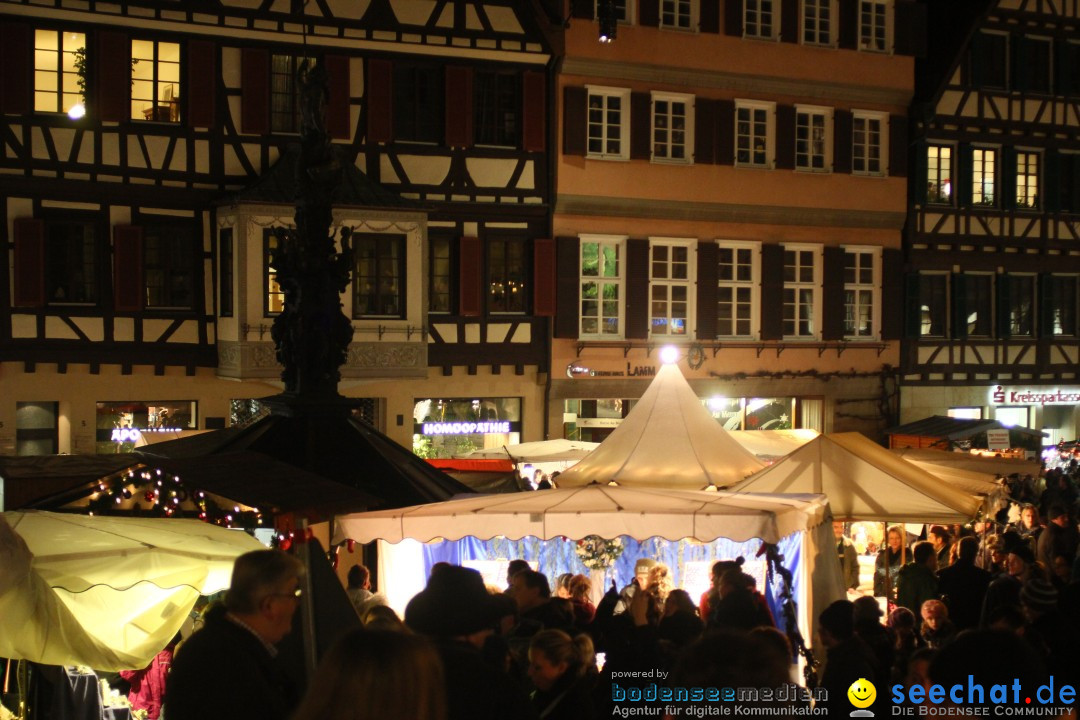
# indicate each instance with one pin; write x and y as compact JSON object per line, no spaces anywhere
{"x":596,"y":553}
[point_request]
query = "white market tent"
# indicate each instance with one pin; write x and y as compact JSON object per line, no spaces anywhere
{"x":542,"y":451}
{"x":107,"y":592}
{"x":667,"y":440}
{"x":864,"y":481}
{"x":773,"y":443}
{"x":968,"y":461}
{"x":976,"y":483}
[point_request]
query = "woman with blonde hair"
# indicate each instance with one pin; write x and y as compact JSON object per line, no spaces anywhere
{"x":374,"y":675}
{"x":584,"y":610}
{"x":562,"y":670}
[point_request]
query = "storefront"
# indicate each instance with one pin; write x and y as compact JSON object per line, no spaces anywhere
{"x":123,"y":426}
{"x":451,"y":427}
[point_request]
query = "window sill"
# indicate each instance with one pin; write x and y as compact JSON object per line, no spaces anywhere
{"x":814,"y":171}
{"x":609,"y":158}
{"x":669,"y":161}
{"x":749,"y":166}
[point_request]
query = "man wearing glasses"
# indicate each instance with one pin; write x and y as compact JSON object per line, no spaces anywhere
{"x":229,"y":668}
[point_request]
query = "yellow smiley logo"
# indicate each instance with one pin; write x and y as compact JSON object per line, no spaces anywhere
{"x":862,"y":693}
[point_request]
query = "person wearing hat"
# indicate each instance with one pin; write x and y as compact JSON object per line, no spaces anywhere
{"x":1059,"y":538}
{"x":641,"y":580}
{"x":456,"y":611}
{"x":1005,"y":589}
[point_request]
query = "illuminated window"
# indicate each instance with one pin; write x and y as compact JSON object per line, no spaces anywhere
{"x":609,"y":123}
{"x":817,"y":22}
{"x":736,"y":290}
{"x":1027,"y":180}
{"x":602,"y":285}
{"x":868,"y":143}
{"x":672,"y":127}
{"x":933,"y":305}
{"x":976,"y":298}
{"x":669,"y":287}
{"x":800,"y":297}
{"x":939,"y":174}
{"x":1063,"y":295}
{"x":285,"y":93}
{"x":155,"y":81}
{"x":759,"y":18}
{"x":379,"y":279}
{"x":507,"y":272}
{"x":813,"y":139}
{"x":860,"y":292}
{"x":983,"y":167}
{"x":275,"y":296}
{"x":59,"y":70}
{"x":753,"y":139}
{"x":1021,"y":304}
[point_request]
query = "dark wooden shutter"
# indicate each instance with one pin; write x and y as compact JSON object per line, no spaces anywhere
{"x":848,"y":36}
{"x":459,"y":106}
{"x":471,"y":297}
{"x":640,"y":126}
{"x":789,"y":21}
{"x":582,"y":9}
{"x":979,"y":59}
{"x":1046,"y":305}
{"x":733,"y":18}
{"x":544,"y":278}
{"x":337,"y":109}
{"x":1004,"y":304}
{"x":1074,"y":185}
{"x":961,"y":175}
{"x":704,"y":131}
{"x":959,"y":306}
{"x":898,"y":145}
{"x":379,"y":101}
{"x":254,"y":91}
{"x":708,"y":273}
{"x":772,"y":292}
{"x":709,"y":16}
{"x":892,"y":294}
{"x":1052,"y":181}
{"x":725,"y":132}
{"x":29,"y":262}
{"x":909,"y":28}
{"x":16,"y":58}
{"x":918,"y":179}
{"x":534,"y":113}
{"x":128,"y":286}
{"x":1007,"y":176}
{"x":1020,"y":70}
{"x":1065,"y":54}
{"x":842,"y":139}
{"x":202,"y":83}
{"x":832,"y":294}
{"x":575,"y":120}
{"x":637,"y":289}
{"x":113,"y":76}
{"x":649,"y":13}
{"x":785,"y":137}
{"x":567,"y":292}
{"x":912,"y":307}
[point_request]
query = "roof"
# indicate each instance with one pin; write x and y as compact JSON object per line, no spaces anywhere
{"x":950,"y":428}
{"x":29,"y":479}
{"x":950,"y":26}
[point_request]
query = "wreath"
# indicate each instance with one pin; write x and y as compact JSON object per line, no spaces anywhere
{"x":596,"y":553}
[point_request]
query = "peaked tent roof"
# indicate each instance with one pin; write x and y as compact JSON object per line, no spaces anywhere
{"x":668,"y":440}
{"x":863,"y":481}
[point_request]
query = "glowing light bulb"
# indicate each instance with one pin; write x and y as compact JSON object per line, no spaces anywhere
{"x":77,"y":111}
{"x":669,"y":354}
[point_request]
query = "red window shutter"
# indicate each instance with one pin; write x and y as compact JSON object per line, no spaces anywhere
{"x":16,"y":57}
{"x":29,"y":262}
{"x":378,"y":96}
{"x":785,"y":137}
{"x":533,"y":121}
{"x":201,"y":87}
{"x":709,"y":18}
{"x":113,"y":76}
{"x":459,"y":106}
{"x":254,"y":91}
{"x":471,"y":301}
{"x":649,"y":13}
{"x":575,"y":119}
{"x":843,"y":127}
{"x":898,"y":146}
{"x":789,"y":21}
{"x":637,"y":289}
{"x":733,"y":17}
{"x":127,"y":268}
{"x":704,"y":131}
{"x":568,"y":275}
{"x":582,"y":9}
{"x":832,"y":294}
{"x":544,"y":278}
{"x":337,"y":110}
{"x":708,"y":271}
{"x":640,"y":126}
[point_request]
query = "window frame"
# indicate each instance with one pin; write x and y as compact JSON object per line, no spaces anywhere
{"x":826,"y":113}
{"x":947,"y":168}
{"x":753,"y":285}
{"x":814,"y":285}
{"x":753,"y":107}
{"x":691,"y":15}
{"x":158,"y":87}
{"x":688,"y":128}
{"x":451,"y":277}
{"x":271,"y":289}
{"x":882,"y":145}
{"x":942,"y":310}
{"x":873,"y":286}
{"x":980,"y":188}
{"x":985,"y":301}
{"x":1032,"y":314}
{"x":100,"y":270}
{"x":399,"y":264}
{"x":773,"y":30}
{"x":1046,"y":81}
{"x":482,"y":114}
{"x":59,"y":74}
{"x":619,"y":280}
{"x":886,"y":7}
{"x":1056,"y":292}
{"x":605,"y":92}
{"x":411,"y":107}
{"x":804,"y":18}
{"x":490,"y":278}
{"x":1033,"y":201}
{"x":193,"y":236}
{"x":690,"y":245}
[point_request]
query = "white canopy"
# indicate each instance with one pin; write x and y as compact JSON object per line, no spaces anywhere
{"x":667,"y":440}
{"x":541,"y":451}
{"x":968,"y":461}
{"x":106,"y":592}
{"x":773,"y":443}
{"x":864,"y":481}
{"x":976,"y":483}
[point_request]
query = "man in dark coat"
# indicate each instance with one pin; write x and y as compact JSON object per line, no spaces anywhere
{"x":228,"y":669}
{"x":963,"y":586}
{"x":916,"y":582}
{"x":848,"y":659}
{"x":1059,"y":538}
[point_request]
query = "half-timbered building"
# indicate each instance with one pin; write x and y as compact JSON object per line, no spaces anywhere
{"x":148,"y":152}
{"x":731,"y":179}
{"x":993,"y":238}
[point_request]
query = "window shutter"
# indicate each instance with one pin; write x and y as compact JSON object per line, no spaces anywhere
{"x":113,"y":76}
{"x":1052,"y":181}
{"x":733,"y":18}
{"x":979,"y":59}
{"x":575,"y":121}
{"x":909,"y":28}
{"x":918,"y":180}
{"x":961,"y":175}
{"x":544,"y":278}
{"x":959,"y":306}
{"x":789,"y":21}
{"x":1018,"y":54}
{"x":379,"y":99}
{"x":772,"y":292}
{"x":1046,"y":305}
{"x":29,"y":262}
{"x":202,"y":85}
{"x":637,"y":289}
{"x":471,"y":299}
{"x":848,"y":36}
{"x":567,"y":291}
{"x":459,"y":106}
{"x":1008,"y":178}
{"x":709,"y":16}
{"x":1074,"y":190}
{"x":640,"y":126}
{"x":534,"y":114}
{"x":649,"y":13}
{"x":1004,"y":303}
{"x":128,"y":288}
{"x":16,"y":57}
{"x":1064,"y":71}
{"x":582,"y":9}
{"x":898,"y":145}
{"x":704,"y":131}
{"x":842,"y":139}
{"x":337,"y":109}
{"x":785,"y":137}
{"x":725,"y":132}
{"x":255,"y":91}
{"x":832,"y":295}
{"x":892,"y":294}
{"x":708,"y":257}
{"x":912,"y":306}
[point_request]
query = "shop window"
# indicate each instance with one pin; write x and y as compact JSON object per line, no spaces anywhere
{"x":169,"y":261}
{"x":965,"y":413}
{"x":225,"y":272}
{"x":498,"y":108}
{"x":379,"y":277}
{"x":59,"y":70}
{"x":672,"y":127}
{"x":72,"y":261}
{"x":155,"y":81}
{"x":983,"y":169}
{"x":609,"y":123}
{"x":1021,"y":304}
{"x":602,"y":286}
{"x":440,"y":275}
{"x":861,"y":283}
{"x":801,"y":289}
{"x":285,"y":93}
{"x":868,"y":142}
{"x":1063,"y":298}
{"x":1012,"y":416}
{"x":592,"y":420}
{"x":669,"y":287}
{"x":124,"y":426}
{"x":939,"y":174}
{"x":36,"y":428}
{"x":817,"y":22}
{"x":933,"y":305}
{"x":753,"y":134}
{"x":1027,"y":180}
{"x":275,"y":296}
{"x":446,"y":427}
{"x":677,"y":14}
{"x":874,"y":25}
{"x":419,"y":98}
{"x":507,"y":272}
{"x":813,"y":139}
{"x":752,"y":413}
{"x":759,"y":18}
{"x":736,"y":292}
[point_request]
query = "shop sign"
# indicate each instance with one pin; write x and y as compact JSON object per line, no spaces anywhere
{"x":125,"y":435}
{"x":997,"y":439}
{"x":599,"y":422}
{"x":573,"y":371}
{"x":465,"y":428}
{"x":1040,"y":396}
